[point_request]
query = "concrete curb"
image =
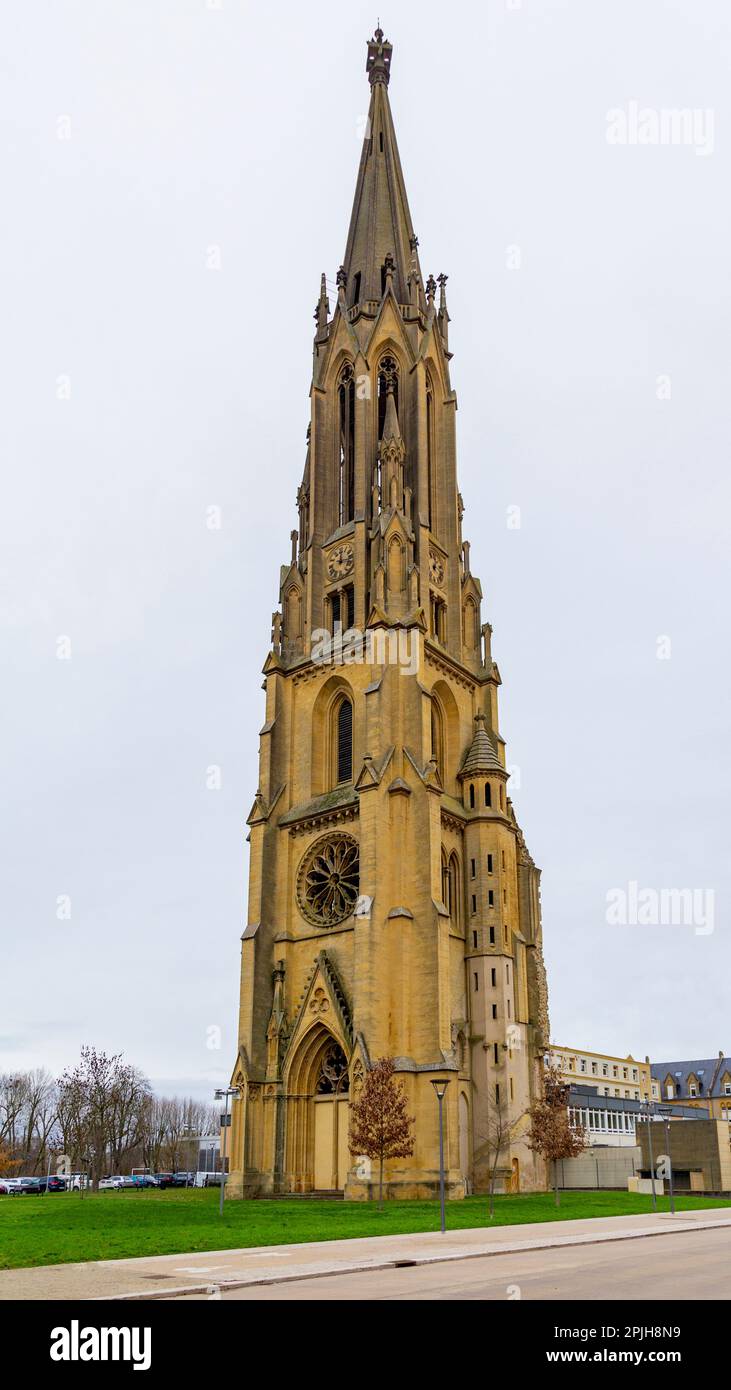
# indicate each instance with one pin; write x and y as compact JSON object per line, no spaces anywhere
{"x":363,"y":1267}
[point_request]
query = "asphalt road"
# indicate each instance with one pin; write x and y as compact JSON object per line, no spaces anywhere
{"x":694,"y":1265}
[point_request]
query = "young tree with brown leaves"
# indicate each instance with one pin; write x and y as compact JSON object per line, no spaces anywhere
{"x":380,"y":1126}
{"x":551,"y":1133}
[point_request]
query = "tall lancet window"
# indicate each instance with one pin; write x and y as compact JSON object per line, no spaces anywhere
{"x":430,"y":508}
{"x":346,"y":479}
{"x":343,"y":730}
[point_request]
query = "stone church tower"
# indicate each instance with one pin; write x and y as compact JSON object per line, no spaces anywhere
{"x":393,"y":906}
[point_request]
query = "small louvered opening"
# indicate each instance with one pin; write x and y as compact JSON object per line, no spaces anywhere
{"x":345,"y":742}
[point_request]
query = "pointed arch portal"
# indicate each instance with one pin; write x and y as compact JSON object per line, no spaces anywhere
{"x":318,"y":1116}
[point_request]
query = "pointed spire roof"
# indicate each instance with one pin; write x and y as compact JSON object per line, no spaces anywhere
{"x":380,"y":223}
{"x":481,"y":756}
{"x":391,"y":427}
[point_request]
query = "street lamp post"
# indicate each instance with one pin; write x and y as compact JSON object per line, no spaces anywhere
{"x":648,"y":1118}
{"x":221,"y":1095}
{"x":440,"y":1086}
{"x":666,"y":1112}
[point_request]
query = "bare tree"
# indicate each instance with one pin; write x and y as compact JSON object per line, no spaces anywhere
{"x":101,"y":1102}
{"x":13,"y":1100}
{"x":380,"y":1126}
{"x":28,"y":1103}
{"x":173,"y":1126}
{"x":551,"y":1133}
{"x":495,"y":1138}
{"x":102,"y":1114}
{"x":39,"y":1119}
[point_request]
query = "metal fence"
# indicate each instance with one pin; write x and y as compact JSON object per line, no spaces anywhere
{"x":600,"y":1168}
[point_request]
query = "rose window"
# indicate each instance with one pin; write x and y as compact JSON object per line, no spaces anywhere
{"x":327,"y":884}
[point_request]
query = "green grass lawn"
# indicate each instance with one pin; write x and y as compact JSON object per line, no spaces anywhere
{"x":63,"y":1227}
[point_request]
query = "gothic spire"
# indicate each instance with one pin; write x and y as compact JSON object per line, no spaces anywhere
{"x":380,"y":223}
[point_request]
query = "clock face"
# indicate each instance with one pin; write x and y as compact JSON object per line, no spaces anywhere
{"x":340,"y":561}
{"x":436,"y":569}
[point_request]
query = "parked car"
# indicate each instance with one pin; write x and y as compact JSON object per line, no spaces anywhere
{"x":165,"y":1179}
{"x":183,"y":1179}
{"x":110,"y":1184}
{"x":9,"y":1186}
{"x":31,"y":1186}
{"x":142,"y":1177}
{"x":75,"y":1182}
{"x":52,"y":1183}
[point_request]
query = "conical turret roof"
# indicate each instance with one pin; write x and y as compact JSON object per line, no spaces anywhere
{"x":481,"y":756}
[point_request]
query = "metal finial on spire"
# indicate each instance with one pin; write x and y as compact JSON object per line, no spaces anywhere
{"x":378,"y":62}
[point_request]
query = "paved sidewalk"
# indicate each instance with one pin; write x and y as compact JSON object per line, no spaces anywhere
{"x":161,"y":1276}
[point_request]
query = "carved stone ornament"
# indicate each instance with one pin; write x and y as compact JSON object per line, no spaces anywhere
{"x":319,"y":1003}
{"x":340,"y":561}
{"x":436,"y":569}
{"x":328,"y":880}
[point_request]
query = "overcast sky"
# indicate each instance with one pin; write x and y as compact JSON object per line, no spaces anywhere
{"x":145,"y":142}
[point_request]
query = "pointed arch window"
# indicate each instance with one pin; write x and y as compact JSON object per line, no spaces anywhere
{"x":293,"y":620}
{"x":430,"y":508}
{"x":454,"y":893}
{"x":343,"y":741}
{"x":346,"y":466}
{"x":333,"y":1078}
{"x":342,"y":609}
{"x":437,"y":736}
{"x":470,"y":624}
{"x":396,"y":568}
{"x":388,"y":378}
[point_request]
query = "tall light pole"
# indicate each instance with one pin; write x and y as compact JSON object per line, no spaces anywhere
{"x":220,"y":1095}
{"x":648,"y":1108}
{"x":666,"y":1112}
{"x":440,"y":1086}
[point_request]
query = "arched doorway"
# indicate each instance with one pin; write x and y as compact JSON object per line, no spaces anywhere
{"x":317,"y":1125}
{"x":332,"y":1157}
{"x":515,"y":1176}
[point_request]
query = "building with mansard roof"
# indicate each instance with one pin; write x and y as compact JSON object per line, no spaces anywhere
{"x":703,"y":1082}
{"x":393,"y":905}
